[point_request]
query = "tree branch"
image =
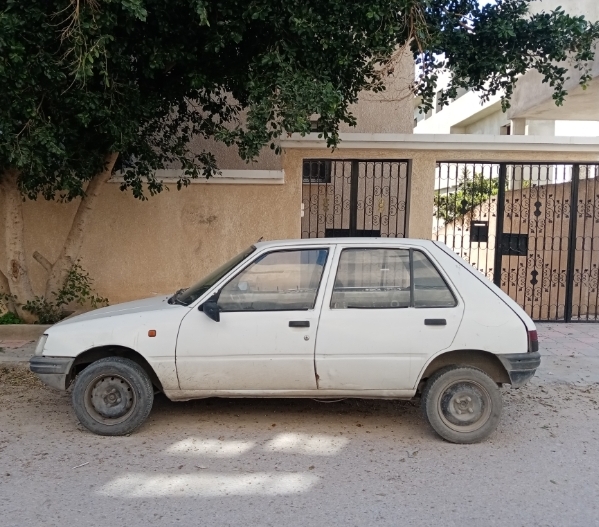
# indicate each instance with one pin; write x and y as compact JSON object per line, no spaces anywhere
{"x":42,"y":260}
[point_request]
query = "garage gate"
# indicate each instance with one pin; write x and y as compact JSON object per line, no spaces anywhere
{"x":532,"y":228}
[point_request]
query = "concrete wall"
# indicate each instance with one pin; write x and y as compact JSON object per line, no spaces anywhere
{"x":490,"y":124}
{"x":467,"y":111}
{"x":532,"y":98}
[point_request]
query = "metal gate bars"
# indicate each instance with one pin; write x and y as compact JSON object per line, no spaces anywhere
{"x":365,"y":198}
{"x":532,"y":228}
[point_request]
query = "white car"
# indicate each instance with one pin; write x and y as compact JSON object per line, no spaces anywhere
{"x":318,"y":318}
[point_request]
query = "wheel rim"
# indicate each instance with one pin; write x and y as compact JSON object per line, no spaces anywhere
{"x":465,"y":406}
{"x":110,"y":399}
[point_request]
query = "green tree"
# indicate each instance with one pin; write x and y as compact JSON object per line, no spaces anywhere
{"x":86,"y":82}
{"x":470,"y":192}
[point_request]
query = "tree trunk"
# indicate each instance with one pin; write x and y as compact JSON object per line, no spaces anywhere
{"x":70,"y":250}
{"x":17,"y":276}
{"x":5,"y":290}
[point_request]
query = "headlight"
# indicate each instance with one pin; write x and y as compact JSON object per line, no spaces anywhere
{"x":39,"y":349}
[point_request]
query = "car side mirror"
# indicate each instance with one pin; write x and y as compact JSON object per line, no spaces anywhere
{"x":211,"y":309}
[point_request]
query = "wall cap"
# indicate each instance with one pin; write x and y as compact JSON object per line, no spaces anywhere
{"x":473,"y":142}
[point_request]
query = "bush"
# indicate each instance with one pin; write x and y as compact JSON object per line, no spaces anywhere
{"x":76,"y":289}
{"x":10,"y":318}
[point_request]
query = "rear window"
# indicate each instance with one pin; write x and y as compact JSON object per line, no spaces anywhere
{"x":430,"y":290}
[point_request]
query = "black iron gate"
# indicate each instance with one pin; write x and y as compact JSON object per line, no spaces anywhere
{"x":343,"y":198}
{"x":532,"y":228}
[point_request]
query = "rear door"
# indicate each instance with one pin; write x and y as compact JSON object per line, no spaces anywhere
{"x":385,"y":308}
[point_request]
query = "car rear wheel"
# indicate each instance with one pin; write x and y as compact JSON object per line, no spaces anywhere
{"x":113,"y":396}
{"x":462,"y":404}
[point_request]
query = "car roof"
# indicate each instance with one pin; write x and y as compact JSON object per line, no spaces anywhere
{"x":345,"y":241}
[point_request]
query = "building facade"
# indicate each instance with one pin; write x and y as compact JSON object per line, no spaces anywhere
{"x":533,"y":110}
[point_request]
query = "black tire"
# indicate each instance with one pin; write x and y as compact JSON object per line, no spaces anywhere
{"x":462,"y":404}
{"x":113,"y":396}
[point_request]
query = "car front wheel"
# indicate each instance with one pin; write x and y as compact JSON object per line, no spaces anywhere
{"x":113,"y":396}
{"x":462,"y":404}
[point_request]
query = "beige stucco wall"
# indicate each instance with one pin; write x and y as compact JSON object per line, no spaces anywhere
{"x":389,"y":111}
{"x":136,"y":249}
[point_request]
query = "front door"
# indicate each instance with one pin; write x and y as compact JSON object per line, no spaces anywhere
{"x":385,"y":311}
{"x":267,"y":330}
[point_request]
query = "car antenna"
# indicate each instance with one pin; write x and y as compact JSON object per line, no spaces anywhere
{"x":261,"y":238}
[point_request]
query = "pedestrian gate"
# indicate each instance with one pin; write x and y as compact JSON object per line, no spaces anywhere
{"x":343,"y":198}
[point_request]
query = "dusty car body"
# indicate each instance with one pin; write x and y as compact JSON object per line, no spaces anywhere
{"x":319,"y":318}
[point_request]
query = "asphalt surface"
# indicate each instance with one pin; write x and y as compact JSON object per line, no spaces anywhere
{"x":302,"y":462}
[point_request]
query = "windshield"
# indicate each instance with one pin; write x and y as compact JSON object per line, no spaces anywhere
{"x":190,"y":295}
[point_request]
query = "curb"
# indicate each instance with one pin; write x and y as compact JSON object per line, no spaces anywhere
{"x":22,"y":331}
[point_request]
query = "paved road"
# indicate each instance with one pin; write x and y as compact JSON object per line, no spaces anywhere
{"x":303,"y":463}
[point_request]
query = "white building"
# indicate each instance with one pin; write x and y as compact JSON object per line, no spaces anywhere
{"x":533,"y":110}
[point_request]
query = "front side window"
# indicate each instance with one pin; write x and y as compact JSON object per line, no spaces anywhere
{"x":372,"y":278}
{"x":276,"y":281}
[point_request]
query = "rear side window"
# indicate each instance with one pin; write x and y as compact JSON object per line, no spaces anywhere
{"x":430,"y":290}
{"x":372,"y":278}
{"x":388,"y":278}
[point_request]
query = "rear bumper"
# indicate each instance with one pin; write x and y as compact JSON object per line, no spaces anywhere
{"x":520,"y":367}
{"x":53,"y":371}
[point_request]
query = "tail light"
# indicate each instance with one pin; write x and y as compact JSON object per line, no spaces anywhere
{"x":533,"y":341}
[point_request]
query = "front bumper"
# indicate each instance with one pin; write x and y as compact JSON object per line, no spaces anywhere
{"x":520,"y":367}
{"x":53,"y":371}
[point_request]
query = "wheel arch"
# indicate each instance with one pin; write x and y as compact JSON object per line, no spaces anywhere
{"x":83,"y":360}
{"x":483,"y":360}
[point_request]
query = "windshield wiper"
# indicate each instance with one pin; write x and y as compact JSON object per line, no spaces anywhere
{"x":175,"y":300}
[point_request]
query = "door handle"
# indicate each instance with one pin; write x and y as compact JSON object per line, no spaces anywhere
{"x":435,"y":322}
{"x":299,"y":323}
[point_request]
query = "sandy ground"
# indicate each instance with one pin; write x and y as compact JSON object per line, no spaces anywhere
{"x":302,"y":462}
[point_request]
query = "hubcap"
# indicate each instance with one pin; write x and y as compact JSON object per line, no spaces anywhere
{"x":465,"y":406}
{"x":110,"y":399}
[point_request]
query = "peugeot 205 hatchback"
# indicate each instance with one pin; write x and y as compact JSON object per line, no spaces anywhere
{"x":319,"y":318}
